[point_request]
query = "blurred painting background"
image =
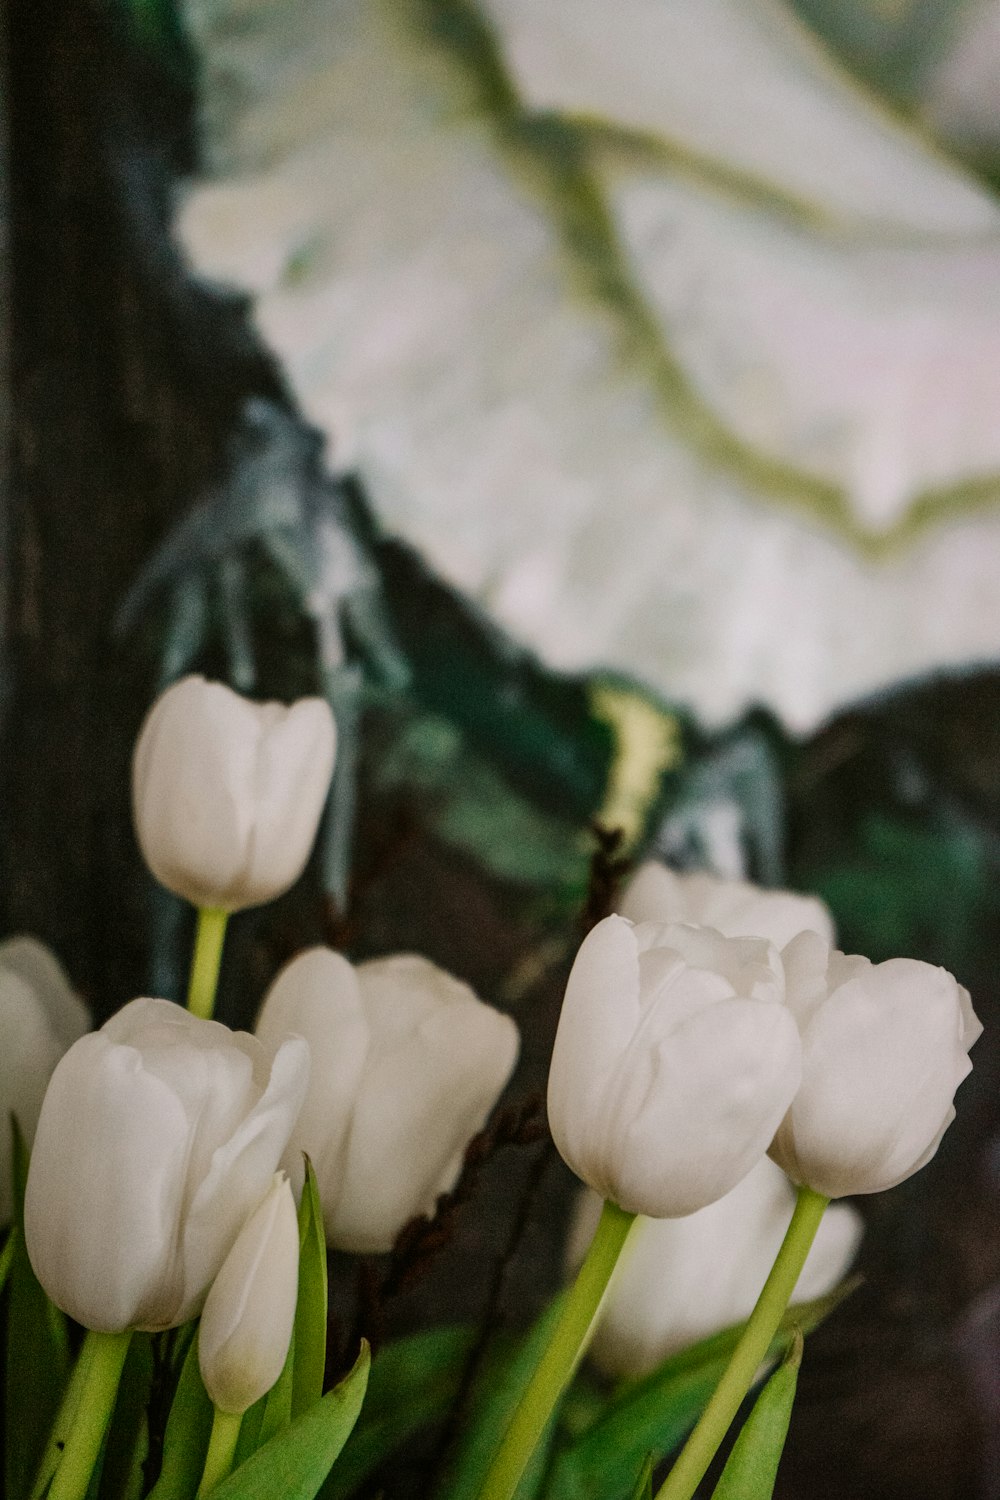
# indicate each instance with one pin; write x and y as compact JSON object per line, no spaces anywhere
{"x":600,"y":406}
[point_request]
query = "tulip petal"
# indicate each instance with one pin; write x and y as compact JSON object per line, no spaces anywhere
{"x":733,"y":907}
{"x":192,"y":788}
{"x":600,"y":1013}
{"x":102,"y":1197}
{"x":720,"y":1085}
{"x":246,"y":1325}
{"x":317,"y":995}
{"x":45,"y":976}
{"x":295,"y":756}
{"x":882,"y":1058}
{"x":425,"y":1095}
{"x":239,"y":1172}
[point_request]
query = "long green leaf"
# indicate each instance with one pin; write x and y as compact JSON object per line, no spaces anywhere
{"x":310,"y":1310}
{"x":189,"y":1428}
{"x":294,"y":1464}
{"x":413,"y":1383}
{"x":37,"y":1352}
{"x":653,"y":1414}
{"x":752,"y":1466}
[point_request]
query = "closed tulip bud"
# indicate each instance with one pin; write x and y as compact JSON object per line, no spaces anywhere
{"x":406,"y":1065}
{"x":733,"y":907}
{"x":680,"y":1280}
{"x":227,"y":794}
{"x":884,"y":1047}
{"x":40,"y":1016}
{"x":157,"y":1137}
{"x":246,"y":1325}
{"x":674,"y":1063}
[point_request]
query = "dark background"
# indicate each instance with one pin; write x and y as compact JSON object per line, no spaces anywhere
{"x":127,"y":381}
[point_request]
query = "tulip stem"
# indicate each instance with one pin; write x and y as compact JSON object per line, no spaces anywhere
{"x":561,"y":1356}
{"x":750,"y":1352}
{"x":210,"y":934}
{"x":65,"y":1417}
{"x":101,"y":1360}
{"x":221,"y":1450}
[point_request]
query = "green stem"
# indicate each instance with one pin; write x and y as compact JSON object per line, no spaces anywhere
{"x":561,"y":1356}
{"x":221,"y":1450}
{"x":750,"y":1352}
{"x":210,"y":935}
{"x":102,"y":1356}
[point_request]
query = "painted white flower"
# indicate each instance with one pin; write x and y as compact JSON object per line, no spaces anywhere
{"x":884,"y":1047}
{"x":680,"y":1280}
{"x":158,"y":1136}
{"x":735,"y":907}
{"x":406,"y":1065}
{"x":41,"y":1015}
{"x":674,"y":1063}
{"x":227,"y":794}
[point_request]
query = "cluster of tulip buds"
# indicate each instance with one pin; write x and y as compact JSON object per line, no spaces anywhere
{"x":720,"y":1073}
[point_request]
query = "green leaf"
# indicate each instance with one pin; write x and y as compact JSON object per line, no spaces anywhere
{"x":644,"y":1484}
{"x":498,"y":1391}
{"x":37,"y":1352}
{"x":309,"y":1341}
{"x":189,"y":1428}
{"x":653,"y":1414}
{"x":294,"y":1464}
{"x":413,"y":1383}
{"x":752,"y":1466}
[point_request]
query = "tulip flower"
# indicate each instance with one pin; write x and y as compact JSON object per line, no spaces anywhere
{"x":680,"y":1280}
{"x":674,"y":1063}
{"x":406,"y":1065}
{"x":246,"y":1324}
{"x":734,"y":907}
{"x":40,"y":1016}
{"x":227,"y":794}
{"x":884,"y":1047}
{"x":159,"y":1134}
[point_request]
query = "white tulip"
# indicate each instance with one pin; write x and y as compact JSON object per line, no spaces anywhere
{"x":157,"y":1137}
{"x":884,"y":1047}
{"x":40,"y":1016}
{"x":733,"y":907}
{"x":407,"y":1064}
{"x":227,"y":794}
{"x":680,"y":1280}
{"x":246,"y":1325}
{"x":674,"y":1062}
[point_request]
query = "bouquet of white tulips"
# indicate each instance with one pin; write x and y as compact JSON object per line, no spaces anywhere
{"x":720,"y":1073}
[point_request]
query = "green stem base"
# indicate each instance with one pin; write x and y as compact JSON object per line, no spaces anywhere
{"x":750,"y":1352}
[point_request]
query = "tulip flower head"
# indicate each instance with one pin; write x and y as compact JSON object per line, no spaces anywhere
{"x":680,"y":1280}
{"x":733,"y":907}
{"x":227,"y":794}
{"x":158,"y":1136}
{"x":674,"y":1063}
{"x":246,"y":1324}
{"x":40,"y":1017}
{"x":884,"y":1047}
{"x":406,"y":1065}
